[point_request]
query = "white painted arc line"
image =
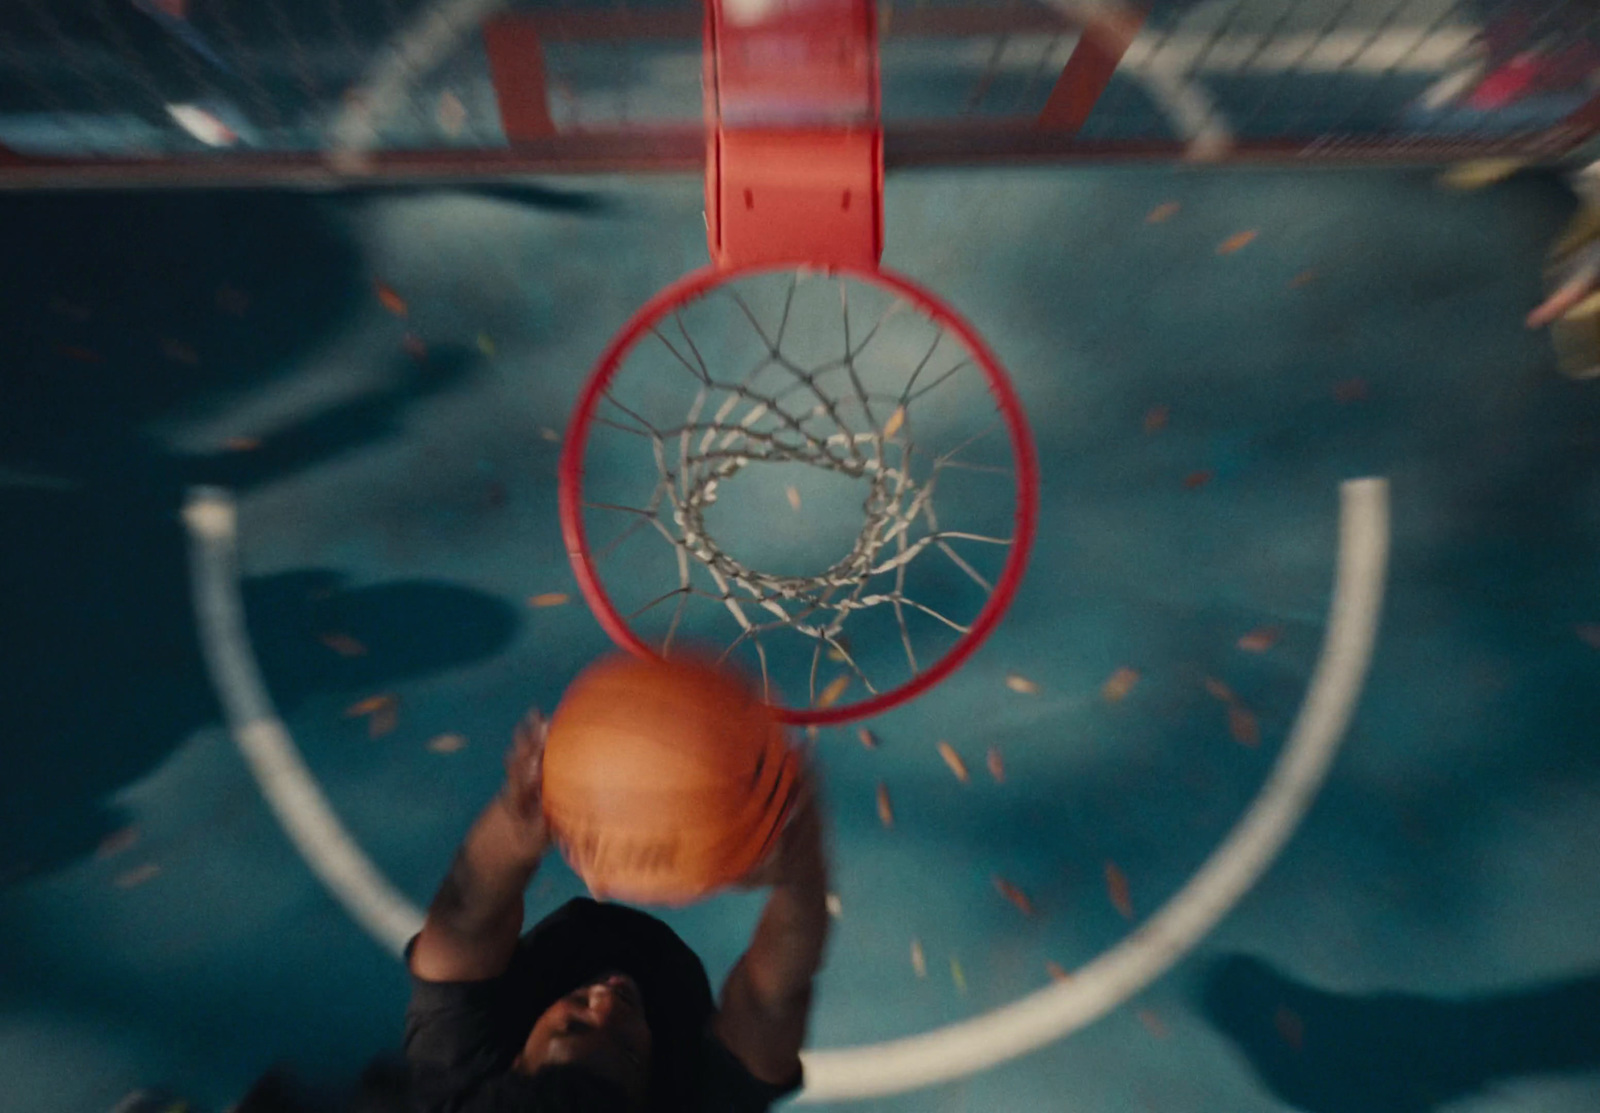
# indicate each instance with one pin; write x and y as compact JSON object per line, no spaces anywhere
{"x":916,"y":1061}
{"x":290,"y":790}
{"x":1042,"y":1017}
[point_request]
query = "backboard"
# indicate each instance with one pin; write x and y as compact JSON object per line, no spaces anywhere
{"x":187,"y":92}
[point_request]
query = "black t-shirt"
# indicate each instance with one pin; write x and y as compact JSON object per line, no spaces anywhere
{"x":461,"y":1038}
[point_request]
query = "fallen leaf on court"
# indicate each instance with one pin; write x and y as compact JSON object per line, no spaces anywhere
{"x":1242,"y":725}
{"x":868,"y":739}
{"x":241,"y":444}
{"x":958,"y":975}
{"x":919,"y":961}
{"x":451,"y":113}
{"x":1022,"y":684}
{"x":1117,"y":890}
{"x":1196,"y":479}
{"x":1163,"y":212}
{"x":371,"y":705}
{"x":830,"y":695}
{"x":415,"y":346}
{"x":1153,"y":1023}
{"x":1291,"y":1029}
{"x":1261,"y":639}
{"x":486,"y":344}
{"x":1235,"y":242}
{"x":1350,"y":390}
{"x":549,"y":599}
{"x":447,"y":743}
{"x":1155,"y":418}
{"x":117,"y":842}
{"x":78,"y":353}
{"x":1218,"y":690}
{"x":896,"y":419}
{"x":391,"y":301}
{"x":1304,"y":278}
{"x":1121,"y":683}
{"x":549,"y":434}
{"x":885,"y":809}
{"x":792,"y":493}
{"x":344,"y":645}
{"x":953,"y":760}
{"x":179,"y":352}
{"x":997,"y":765}
{"x":138,"y":875}
{"x":383,"y":722}
{"x":1013,"y":894}
{"x":1056,"y":971}
{"x":835,"y":905}
{"x":1590,"y":635}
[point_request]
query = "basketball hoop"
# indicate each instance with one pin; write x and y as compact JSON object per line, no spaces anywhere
{"x":749,"y":386}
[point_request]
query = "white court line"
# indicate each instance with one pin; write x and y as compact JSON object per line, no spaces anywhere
{"x":946,"y":1053}
{"x":292,"y":792}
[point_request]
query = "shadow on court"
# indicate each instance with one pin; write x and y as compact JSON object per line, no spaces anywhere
{"x":1326,"y":1052}
{"x":120,"y":310}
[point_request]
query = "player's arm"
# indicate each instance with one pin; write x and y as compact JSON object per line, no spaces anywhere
{"x":767,"y":998}
{"x":475,"y":919}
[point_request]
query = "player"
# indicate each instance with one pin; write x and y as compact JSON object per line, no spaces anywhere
{"x":602,"y":1007}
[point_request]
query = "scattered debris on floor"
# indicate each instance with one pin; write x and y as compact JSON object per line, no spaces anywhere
{"x":1021,"y":684}
{"x":1236,"y":242}
{"x":1121,"y":682}
{"x":958,"y":975}
{"x":548,"y":599}
{"x":1197,"y":479}
{"x":836,"y":688}
{"x":919,"y":961}
{"x":117,"y":842}
{"x":447,"y":743}
{"x":1260,"y":639}
{"x":381,"y":712}
{"x":885,"y":809}
{"x":792,"y":493}
{"x":1156,"y":417}
{"x":1057,"y":972}
{"x":868,"y":739}
{"x":953,"y":760}
{"x":1117,"y":890}
{"x":1163,"y":212}
{"x":835,"y":906}
{"x":138,"y":875}
{"x":344,"y":645}
{"x":997,"y":765}
{"x":391,"y":301}
{"x":1013,"y":894}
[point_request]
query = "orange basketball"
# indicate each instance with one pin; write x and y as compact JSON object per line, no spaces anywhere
{"x":664,"y":779}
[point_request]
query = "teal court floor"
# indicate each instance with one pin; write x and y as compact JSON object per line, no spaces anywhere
{"x":1426,"y":938}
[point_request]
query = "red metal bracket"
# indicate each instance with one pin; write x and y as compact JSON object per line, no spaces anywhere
{"x":794,"y":168}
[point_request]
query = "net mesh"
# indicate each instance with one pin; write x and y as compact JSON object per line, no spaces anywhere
{"x":830,"y":414}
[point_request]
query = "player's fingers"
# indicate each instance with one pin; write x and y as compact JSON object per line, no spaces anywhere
{"x":1559,"y":302}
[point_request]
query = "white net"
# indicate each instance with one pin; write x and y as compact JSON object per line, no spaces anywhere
{"x":828,"y":486}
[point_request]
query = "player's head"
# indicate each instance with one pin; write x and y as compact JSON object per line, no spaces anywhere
{"x":598,"y":1028}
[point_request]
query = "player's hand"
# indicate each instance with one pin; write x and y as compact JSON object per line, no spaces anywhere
{"x":524,"y":787}
{"x":1566,"y":297}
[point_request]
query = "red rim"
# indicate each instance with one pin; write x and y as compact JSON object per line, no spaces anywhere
{"x":688,"y":289}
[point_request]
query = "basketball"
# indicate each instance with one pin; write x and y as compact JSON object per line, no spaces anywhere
{"x":664,"y":779}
